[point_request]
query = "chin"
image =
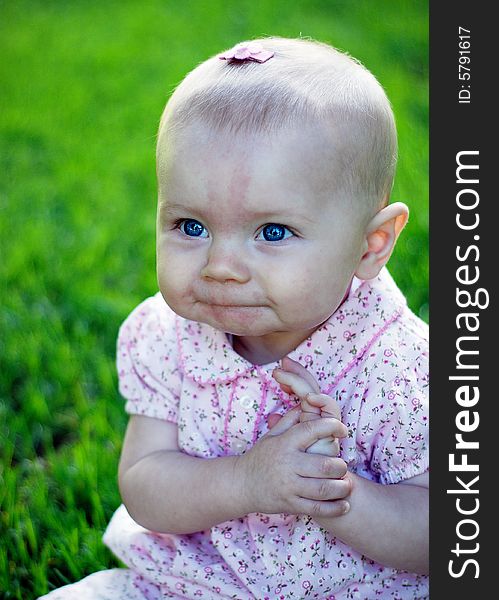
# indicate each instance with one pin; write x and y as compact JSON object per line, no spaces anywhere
{"x":238,"y":320}
{"x":245,"y":331}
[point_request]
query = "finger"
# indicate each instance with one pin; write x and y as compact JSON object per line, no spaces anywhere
{"x":323,"y":489}
{"x":292,"y":366}
{"x":328,"y":509}
{"x":328,"y":446}
{"x":292,"y":417}
{"x":322,"y":467}
{"x":285,"y":388}
{"x":326,"y":404}
{"x":273,"y":419}
{"x":309,"y":412}
{"x":299,"y":386}
{"x":308,"y":432}
{"x":328,"y":407}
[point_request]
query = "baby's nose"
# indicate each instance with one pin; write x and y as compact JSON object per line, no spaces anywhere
{"x":226,"y":262}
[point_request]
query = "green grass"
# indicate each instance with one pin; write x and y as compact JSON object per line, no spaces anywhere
{"x":83,"y":85}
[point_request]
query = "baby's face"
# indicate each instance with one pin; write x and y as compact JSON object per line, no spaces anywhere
{"x":253,"y":238}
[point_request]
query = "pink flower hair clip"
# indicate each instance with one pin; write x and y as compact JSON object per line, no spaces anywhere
{"x":247,"y":51}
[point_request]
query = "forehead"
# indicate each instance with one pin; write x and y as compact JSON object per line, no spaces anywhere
{"x":286,"y":171}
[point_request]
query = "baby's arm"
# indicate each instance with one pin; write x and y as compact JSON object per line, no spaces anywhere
{"x":168,"y":491}
{"x":388,"y":523}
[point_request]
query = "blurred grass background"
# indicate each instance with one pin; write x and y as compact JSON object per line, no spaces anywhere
{"x":83,"y":84}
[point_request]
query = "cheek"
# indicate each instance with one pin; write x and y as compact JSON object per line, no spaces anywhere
{"x":293,"y":287}
{"x":310,"y":292}
{"x":176,"y":272}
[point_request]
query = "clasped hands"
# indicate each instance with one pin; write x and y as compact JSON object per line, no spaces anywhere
{"x":295,"y":467}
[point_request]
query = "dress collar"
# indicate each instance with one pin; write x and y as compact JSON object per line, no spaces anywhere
{"x":206,"y":355}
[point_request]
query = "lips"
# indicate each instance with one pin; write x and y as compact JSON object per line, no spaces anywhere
{"x":221,"y":298}
{"x":228,"y":304}
{"x":233,"y":305}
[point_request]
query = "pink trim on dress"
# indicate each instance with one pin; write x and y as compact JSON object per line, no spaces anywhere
{"x":360,"y":354}
{"x":225,"y":442}
{"x":263,"y":403}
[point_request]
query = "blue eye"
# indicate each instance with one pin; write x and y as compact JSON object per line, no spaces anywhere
{"x":274,"y":232}
{"x":193,"y":228}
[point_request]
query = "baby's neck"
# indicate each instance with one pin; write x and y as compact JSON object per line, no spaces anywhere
{"x":262,"y":350}
{"x":265,"y":349}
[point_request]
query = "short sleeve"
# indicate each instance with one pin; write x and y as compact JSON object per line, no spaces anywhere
{"x":148,"y":374}
{"x":393,"y":429}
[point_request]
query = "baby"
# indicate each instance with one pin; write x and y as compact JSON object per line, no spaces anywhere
{"x":277,"y":330}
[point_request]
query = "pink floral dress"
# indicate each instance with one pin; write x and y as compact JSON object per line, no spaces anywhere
{"x":371,"y":356}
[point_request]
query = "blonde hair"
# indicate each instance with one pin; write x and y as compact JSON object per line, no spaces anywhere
{"x":305,"y":82}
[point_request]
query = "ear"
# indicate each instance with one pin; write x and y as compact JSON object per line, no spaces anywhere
{"x":381,"y":234}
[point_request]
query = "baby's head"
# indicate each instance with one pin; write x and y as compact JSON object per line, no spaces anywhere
{"x":274,"y":179}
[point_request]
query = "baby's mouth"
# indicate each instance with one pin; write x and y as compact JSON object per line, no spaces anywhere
{"x":228,"y":304}
{"x":231,"y":307}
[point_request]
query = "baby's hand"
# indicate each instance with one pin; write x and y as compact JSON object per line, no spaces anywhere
{"x":295,"y":379}
{"x":315,"y":406}
{"x":277,"y":477}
